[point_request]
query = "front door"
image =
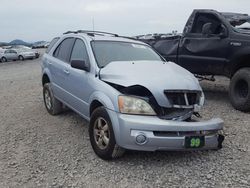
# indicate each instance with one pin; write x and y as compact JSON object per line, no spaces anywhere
{"x":202,"y":54}
{"x":77,"y":83}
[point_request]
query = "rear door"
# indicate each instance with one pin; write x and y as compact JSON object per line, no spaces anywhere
{"x":59,"y":67}
{"x":204,"y":54}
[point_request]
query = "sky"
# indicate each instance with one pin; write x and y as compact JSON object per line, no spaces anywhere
{"x":34,"y":20}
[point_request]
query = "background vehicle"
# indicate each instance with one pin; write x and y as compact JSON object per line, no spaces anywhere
{"x":8,"y":55}
{"x":213,"y":43}
{"x":131,"y":96}
{"x":27,"y":54}
{"x":42,"y":44}
{"x":13,"y":54}
{"x":27,"y":50}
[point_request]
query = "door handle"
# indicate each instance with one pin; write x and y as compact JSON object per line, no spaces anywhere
{"x":66,"y":71}
{"x":49,"y":62}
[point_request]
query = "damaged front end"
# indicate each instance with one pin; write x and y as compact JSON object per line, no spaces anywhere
{"x":156,"y":103}
{"x":183,"y":103}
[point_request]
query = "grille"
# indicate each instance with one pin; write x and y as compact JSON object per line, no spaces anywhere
{"x":175,"y":113}
{"x":182,"y":98}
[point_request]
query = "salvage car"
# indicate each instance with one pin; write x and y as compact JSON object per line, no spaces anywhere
{"x":213,"y":43}
{"x":22,"y":48}
{"x":27,"y":54}
{"x":131,"y":96}
{"x":8,"y":55}
{"x":12,"y":54}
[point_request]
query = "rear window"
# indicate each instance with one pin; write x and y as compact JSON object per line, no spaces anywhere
{"x":52,"y":43}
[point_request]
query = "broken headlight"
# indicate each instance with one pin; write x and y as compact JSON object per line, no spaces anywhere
{"x":198,"y":106}
{"x":134,"y":105}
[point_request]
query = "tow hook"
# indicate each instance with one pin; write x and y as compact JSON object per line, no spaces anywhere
{"x":220,"y":140}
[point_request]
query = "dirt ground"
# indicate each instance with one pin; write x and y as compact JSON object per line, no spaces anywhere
{"x":40,"y":150}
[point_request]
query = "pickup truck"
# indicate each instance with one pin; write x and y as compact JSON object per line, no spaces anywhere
{"x":213,"y":43}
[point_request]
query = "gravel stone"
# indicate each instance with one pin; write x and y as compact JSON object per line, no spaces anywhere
{"x":40,"y":150}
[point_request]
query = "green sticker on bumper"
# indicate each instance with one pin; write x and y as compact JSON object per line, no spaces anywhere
{"x":194,"y":141}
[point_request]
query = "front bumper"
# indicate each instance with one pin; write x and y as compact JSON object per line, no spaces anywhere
{"x":163,"y":134}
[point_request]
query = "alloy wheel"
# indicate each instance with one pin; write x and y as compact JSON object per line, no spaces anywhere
{"x":101,"y":133}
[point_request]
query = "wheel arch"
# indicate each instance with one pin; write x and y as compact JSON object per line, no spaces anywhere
{"x":94,"y":105}
{"x":239,"y":62}
{"x":98,"y":99}
{"x":45,"y":78}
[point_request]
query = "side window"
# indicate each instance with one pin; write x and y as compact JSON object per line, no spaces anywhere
{"x":7,"y":51}
{"x":79,"y":51}
{"x":204,"y":18}
{"x":52,"y":43}
{"x":63,"y":51}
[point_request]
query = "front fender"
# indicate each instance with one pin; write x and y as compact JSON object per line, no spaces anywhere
{"x":104,"y":99}
{"x":238,"y":58}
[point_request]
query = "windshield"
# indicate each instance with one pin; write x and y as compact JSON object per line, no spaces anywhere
{"x":108,"y":51}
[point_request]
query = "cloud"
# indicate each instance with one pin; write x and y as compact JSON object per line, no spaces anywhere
{"x":43,"y":19}
{"x":98,"y":7}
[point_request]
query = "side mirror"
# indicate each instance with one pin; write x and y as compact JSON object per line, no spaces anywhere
{"x":207,"y":29}
{"x":223,"y":32}
{"x":80,"y":64}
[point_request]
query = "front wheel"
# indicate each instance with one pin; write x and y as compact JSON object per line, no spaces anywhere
{"x":102,"y":136}
{"x":239,"y":90}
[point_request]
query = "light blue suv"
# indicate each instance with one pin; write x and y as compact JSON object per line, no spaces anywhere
{"x":131,"y":96}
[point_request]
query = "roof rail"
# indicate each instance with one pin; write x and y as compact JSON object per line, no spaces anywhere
{"x":92,"y":33}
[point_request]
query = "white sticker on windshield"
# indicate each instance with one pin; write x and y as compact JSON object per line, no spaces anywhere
{"x":139,"y":46}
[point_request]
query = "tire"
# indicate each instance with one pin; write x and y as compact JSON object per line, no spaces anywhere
{"x":3,"y":59}
{"x":21,"y":58}
{"x":101,"y":131}
{"x":239,"y":90}
{"x":52,"y":105}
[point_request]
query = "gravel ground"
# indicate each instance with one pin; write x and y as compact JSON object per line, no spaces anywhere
{"x":40,"y":150}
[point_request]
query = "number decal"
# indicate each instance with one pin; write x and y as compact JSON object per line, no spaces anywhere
{"x":195,"y":142}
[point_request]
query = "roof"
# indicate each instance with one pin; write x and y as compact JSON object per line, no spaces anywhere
{"x":102,"y":36}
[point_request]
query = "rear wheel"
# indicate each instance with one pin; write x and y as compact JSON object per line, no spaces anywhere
{"x":239,"y":90}
{"x":21,"y":58}
{"x":52,"y":105}
{"x":102,"y":136}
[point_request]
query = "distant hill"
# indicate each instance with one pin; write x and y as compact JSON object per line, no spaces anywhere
{"x":19,"y":42}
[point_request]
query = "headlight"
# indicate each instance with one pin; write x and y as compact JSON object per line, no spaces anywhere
{"x":198,"y":106}
{"x":202,"y":99}
{"x":133,"y":105}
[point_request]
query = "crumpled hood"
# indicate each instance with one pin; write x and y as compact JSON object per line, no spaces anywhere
{"x":156,"y":76}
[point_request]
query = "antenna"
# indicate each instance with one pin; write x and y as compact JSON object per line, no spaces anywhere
{"x":93,"y":24}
